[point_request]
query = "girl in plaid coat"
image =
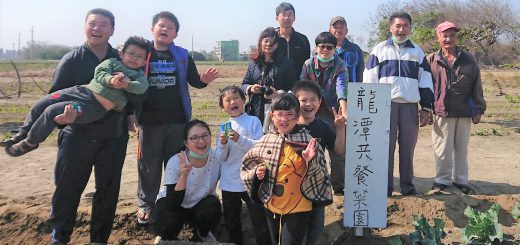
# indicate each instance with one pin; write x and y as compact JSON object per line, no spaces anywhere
{"x":286,"y":172}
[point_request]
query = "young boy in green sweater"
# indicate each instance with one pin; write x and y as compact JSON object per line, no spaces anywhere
{"x":113,"y":78}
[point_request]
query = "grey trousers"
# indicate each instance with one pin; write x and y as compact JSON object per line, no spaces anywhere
{"x":404,"y":129}
{"x":157,"y":143}
{"x":39,"y":123}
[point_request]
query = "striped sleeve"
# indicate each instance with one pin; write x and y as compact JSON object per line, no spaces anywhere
{"x":370,"y":75}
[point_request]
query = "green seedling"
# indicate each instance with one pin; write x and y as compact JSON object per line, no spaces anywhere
{"x":425,"y":234}
{"x":516,"y":211}
{"x":483,"y":227}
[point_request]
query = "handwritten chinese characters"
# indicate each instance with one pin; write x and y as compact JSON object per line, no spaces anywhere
{"x":367,"y":155}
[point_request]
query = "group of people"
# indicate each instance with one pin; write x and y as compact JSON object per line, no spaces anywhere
{"x":289,"y":109}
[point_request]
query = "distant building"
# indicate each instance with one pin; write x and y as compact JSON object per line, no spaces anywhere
{"x":227,"y":50}
{"x":8,"y":54}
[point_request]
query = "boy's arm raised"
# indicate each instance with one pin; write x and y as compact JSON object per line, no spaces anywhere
{"x":200,"y":81}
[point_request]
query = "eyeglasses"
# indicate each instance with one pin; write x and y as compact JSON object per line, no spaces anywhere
{"x":134,"y":55}
{"x":286,"y":116}
{"x":328,"y":47}
{"x":197,"y":138}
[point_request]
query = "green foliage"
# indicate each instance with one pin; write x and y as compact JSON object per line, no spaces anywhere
{"x":425,"y":234}
{"x":488,"y":132}
{"x":511,"y":65}
{"x":513,"y":98}
{"x":396,"y":240}
{"x":197,"y":56}
{"x":45,"y":51}
{"x":483,"y":227}
{"x":53,"y":54}
{"x":516,"y":211}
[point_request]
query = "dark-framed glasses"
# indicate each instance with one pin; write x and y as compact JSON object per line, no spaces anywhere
{"x":197,"y":138}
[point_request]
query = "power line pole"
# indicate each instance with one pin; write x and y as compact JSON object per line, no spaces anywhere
{"x":191,"y":44}
{"x":32,"y":41}
{"x":19,"y":41}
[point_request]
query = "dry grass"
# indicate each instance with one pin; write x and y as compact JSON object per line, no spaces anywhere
{"x":501,"y":116}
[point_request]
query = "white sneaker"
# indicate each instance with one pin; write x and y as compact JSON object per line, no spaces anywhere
{"x":157,"y":240}
{"x":208,"y":238}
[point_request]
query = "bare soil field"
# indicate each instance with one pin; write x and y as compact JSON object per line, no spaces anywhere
{"x":26,"y":183}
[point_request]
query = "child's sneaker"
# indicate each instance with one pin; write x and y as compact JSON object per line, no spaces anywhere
{"x":208,"y":238}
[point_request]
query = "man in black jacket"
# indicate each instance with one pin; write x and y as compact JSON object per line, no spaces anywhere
{"x":101,"y":144}
{"x":294,"y":45}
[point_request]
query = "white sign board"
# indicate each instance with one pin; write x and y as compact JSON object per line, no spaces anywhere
{"x":366,"y":161}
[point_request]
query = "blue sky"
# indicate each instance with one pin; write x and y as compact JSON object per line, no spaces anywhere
{"x":62,"y":21}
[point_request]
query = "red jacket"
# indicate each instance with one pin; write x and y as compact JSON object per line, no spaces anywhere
{"x":457,"y":90}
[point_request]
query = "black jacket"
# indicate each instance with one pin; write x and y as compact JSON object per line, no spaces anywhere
{"x":279,"y":75}
{"x":298,"y":50}
{"x":77,"y":68}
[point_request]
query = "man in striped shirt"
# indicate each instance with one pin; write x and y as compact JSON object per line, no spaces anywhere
{"x":401,"y":63}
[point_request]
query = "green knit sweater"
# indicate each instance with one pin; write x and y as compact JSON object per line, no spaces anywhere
{"x":103,"y":73}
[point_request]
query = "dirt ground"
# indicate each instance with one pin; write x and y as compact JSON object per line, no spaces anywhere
{"x":26,"y":183}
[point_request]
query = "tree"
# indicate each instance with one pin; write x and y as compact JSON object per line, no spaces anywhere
{"x":378,"y":22}
{"x":45,"y":51}
{"x":197,"y":56}
{"x":486,"y":25}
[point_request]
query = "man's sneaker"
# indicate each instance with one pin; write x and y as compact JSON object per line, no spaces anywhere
{"x":208,"y":238}
{"x":412,"y":192}
{"x":438,"y":186}
{"x":157,"y":240}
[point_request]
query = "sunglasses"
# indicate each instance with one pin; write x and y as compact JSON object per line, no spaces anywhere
{"x":327,"y":47}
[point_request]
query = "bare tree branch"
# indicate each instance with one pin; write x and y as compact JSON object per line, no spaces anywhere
{"x":19,"y":79}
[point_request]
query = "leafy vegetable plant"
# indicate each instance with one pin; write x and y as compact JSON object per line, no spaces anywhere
{"x":483,"y":227}
{"x":516,"y":211}
{"x":424,"y":234}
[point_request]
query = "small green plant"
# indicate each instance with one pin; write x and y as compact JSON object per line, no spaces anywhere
{"x":513,"y":98}
{"x":396,"y":240}
{"x":488,"y":132}
{"x":483,"y":227}
{"x":516,"y":211}
{"x":424,"y":234}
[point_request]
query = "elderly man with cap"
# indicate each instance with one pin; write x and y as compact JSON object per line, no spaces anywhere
{"x":459,"y":100}
{"x":347,"y":50}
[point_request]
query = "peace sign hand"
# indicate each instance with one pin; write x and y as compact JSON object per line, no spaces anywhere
{"x":185,"y":167}
{"x":310,"y":152}
{"x":339,"y":119}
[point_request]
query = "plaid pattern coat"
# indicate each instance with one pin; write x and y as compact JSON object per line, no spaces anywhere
{"x":315,"y":185}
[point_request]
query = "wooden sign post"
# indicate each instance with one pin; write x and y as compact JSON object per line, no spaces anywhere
{"x":366,"y":161}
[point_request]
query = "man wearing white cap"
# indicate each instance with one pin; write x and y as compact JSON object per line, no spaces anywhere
{"x":459,"y":100}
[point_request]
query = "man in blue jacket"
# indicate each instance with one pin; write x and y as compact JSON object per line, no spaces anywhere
{"x":350,"y":52}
